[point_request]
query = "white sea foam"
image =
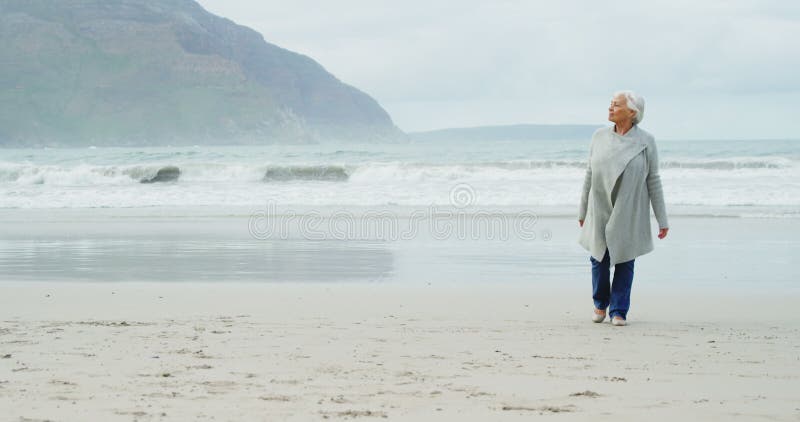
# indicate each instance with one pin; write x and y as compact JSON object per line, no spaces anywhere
{"x":738,"y":176}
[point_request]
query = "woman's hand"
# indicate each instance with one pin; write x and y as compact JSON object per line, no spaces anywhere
{"x":580,"y":222}
{"x":662,"y":233}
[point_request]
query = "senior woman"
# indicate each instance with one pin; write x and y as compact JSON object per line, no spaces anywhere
{"x":621,"y":182}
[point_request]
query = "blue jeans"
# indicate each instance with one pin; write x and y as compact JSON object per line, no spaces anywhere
{"x":618,"y":294}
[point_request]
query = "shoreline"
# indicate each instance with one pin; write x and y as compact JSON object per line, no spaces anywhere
{"x":715,"y":253}
{"x":401,"y":211}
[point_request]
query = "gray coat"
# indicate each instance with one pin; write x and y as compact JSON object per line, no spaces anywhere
{"x":621,"y":182}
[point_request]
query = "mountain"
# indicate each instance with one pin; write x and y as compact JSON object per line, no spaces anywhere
{"x":156,"y":72}
{"x":507,"y":133}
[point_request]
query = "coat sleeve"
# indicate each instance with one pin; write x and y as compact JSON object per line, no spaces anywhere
{"x":654,"y":189}
{"x":587,"y":185}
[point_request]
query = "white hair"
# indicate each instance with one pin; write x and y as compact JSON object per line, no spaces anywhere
{"x":635,"y":102}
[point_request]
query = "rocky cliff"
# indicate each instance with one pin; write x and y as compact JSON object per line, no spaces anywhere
{"x":156,"y":72}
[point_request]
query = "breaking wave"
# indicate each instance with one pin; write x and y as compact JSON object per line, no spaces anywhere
{"x":87,"y":175}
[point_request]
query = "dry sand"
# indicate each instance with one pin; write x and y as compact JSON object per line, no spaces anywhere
{"x":242,"y":352}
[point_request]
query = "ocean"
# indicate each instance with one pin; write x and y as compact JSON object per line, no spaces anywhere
{"x":490,"y":212}
{"x":752,"y":178}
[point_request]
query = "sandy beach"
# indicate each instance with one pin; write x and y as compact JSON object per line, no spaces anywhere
{"x":329,"y":211}
{"x":149,"y":315}
{"x":337,"y":351}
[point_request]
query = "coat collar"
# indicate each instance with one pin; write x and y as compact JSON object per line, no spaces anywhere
{"x":614,"y":153}
{"x":634,"y":130}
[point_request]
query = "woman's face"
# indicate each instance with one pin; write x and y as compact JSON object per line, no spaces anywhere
{"x":618,"y":111}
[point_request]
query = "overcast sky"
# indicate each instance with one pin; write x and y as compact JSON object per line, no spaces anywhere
{"x":707,"y":69}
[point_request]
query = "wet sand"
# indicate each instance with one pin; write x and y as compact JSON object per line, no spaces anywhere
{"x":217,"y":245}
